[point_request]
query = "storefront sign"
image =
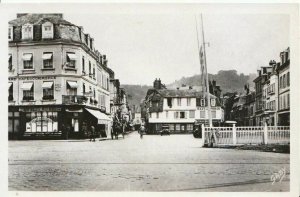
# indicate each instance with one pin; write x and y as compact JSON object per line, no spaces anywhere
{"x":38,"y":109}
{"x":32,"y":78}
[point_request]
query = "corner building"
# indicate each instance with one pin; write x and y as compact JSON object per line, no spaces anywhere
{"x":58,"y":81}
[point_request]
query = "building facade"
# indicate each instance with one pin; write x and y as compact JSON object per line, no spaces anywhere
{"x":58,"y":81}
{"x":180,"y":109}
{"x":284,"y":88}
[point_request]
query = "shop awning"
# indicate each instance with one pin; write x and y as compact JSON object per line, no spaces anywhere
{"x":9,"y":84}
{"x":102,"y":118}
{"x":72,"y":84}
{"x":27,"y":56}
{"x":47,"y":56}
{"x":72,"y":56}
{"x":47,"y":85}
{"x":27,"y":85}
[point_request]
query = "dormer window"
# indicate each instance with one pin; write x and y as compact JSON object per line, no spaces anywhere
{"x":10,"y":33}
{"x":27,"y":31}
{"x":47,"y":30}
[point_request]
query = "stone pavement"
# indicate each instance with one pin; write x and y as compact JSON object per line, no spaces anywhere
{"x":154,"y":163}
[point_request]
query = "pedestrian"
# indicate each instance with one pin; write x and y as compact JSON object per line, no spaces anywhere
{"x":68,"y":128}
{"x":92,"y":133}
{"x":142,"y":130}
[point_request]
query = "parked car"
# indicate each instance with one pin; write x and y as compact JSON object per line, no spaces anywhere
{"x":165,"y":130}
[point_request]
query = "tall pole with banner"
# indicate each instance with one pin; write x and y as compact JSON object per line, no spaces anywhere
{"x":203,"y":70}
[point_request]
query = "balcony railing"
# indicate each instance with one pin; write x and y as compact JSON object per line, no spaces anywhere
{"x":74,"y":99}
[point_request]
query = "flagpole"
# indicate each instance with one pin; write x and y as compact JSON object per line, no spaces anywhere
{"x":207,"y":84}
{"x":199,"y":53}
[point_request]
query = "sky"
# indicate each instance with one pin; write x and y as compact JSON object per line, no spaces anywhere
{"x":143,"y":46}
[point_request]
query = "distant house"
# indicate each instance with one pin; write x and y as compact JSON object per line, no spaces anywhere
{"x":180,"y":109}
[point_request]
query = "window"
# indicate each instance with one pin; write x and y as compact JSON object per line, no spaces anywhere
{"x":288,"y":79}
{"x":167,"y":114}
{"x":48,"y":90}
{"x":177,"y":127}
{"x":188,"y":101}
{"x":213,"y":114}
{"x":27,"y":31}
{"x":150,"y":116}
{"x":213,"y":102}
{"x":41,"y":121}
{"x":10,"y":92}
{"x":280,"y":82}
{"x":9,"y":62}
{"x":83,"y":88}
{"x":48,"y":60}
{"x":169,"y":101}
{"x":176,"y":115}
{"x":94,"y":72}
{"x":284,"y":81}
{"x":182,"y":115}
{"x":198,"y":101}
{"x":90,"y":69}
{"x":157,"y":115}
{"x":28,"y":91}
{"x":27,"y":61}
{"x":86,"y":39}
{"x":288,"y":100}
{"x":47,"y":30}
{"x":171,"y":127}
{"x":72,"y":88}
{"x":71,"y":60}
{"x":202,"y":114}
{"x":178,"y":101}
{"x":10,"y":33}
{"x":202,"y":104}
{"x":192,"y":114}
{"x":189,"y":127}
{"x":83,"y":65}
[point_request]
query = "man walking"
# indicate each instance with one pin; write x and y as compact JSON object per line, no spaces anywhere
{"x":92,"y":133}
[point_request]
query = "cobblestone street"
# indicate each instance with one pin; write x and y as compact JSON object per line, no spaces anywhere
{"x":154,"y":163}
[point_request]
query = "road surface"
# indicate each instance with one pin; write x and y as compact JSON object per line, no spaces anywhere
{"x":154,"y":163}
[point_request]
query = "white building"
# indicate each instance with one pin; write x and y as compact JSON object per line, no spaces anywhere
{"x":180,"y":110}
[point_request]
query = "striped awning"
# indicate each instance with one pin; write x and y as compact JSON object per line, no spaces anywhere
{"x":72,"y":84}
{"x":27,"y":85}
{"x":72,"y":56}
{"x":47,"y":56}
{"x":47,"y":85}
{"x":9,"y":84}
{"x":27,"y":56}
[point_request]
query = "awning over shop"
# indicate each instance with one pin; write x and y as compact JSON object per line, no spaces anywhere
{"x":102,"y":118}
{"x":47,"y":85}
{"x":72,"y":56}
{"x":9,"y":84}
{"x":27,"y":56}
{"x":27,"y":85}
{"x":47,"y":56}
{"x":72,"y":84}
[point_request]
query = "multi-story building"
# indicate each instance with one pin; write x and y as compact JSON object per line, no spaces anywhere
{"x":283,"y":70}
{"x":180,"y":109}
{"x":260,"y":96}
{"x":58,"y":81}
{"x":270,"y":95}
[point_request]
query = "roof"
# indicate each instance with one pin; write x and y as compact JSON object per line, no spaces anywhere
{"x":37,"y":19}
{"x":182,"y":93}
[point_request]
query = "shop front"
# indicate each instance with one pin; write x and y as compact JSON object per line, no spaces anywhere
{"x":100,"y":121}
{"x":39,"y":122}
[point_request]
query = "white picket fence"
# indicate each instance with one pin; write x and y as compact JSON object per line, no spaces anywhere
{"x":246,"y":135}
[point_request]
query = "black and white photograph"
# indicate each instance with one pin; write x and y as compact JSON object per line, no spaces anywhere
{"x":185,"y":98}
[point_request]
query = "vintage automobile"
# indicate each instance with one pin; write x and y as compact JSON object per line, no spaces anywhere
{"x":165,"y":130}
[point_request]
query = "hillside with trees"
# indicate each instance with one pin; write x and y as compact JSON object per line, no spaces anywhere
{"x":228,"y":80}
